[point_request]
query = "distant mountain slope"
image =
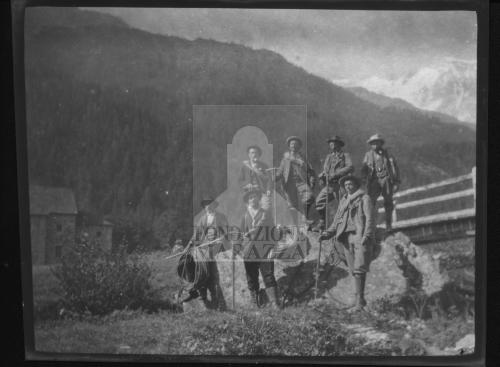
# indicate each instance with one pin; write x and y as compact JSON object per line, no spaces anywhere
{"x":388,"y":102}
{"x":109,"y":113}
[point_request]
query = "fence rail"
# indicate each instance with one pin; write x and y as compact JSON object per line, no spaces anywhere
{"x":446,"y":215}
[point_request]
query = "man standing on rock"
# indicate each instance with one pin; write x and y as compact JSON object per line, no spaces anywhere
{"x":337,"y":165}
{"x":257,"y":225}
{"x":254,"y":175}
{"x":354,"y":230}
{"x":298,"y":179}
{"x":381,"y":175}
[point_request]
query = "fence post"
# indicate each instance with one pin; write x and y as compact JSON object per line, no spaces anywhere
{"x":394,"y":216}
{"x":473,"y":174}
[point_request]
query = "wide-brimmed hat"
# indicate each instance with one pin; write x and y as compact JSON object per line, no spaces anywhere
{"x":290,"y":138}
{"x":350,"y":178}
{"x":208,"y":200}
{"x":337,"y":139}
{"x":247,"y":194}
{"x":256,"y":147}
{"x":376,"y":137}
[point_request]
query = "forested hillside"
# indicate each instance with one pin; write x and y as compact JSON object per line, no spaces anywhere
{"x":109,"y":113}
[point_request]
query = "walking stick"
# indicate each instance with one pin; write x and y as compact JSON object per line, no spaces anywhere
{"x":232,"y":274}
{"x":326,"y":224}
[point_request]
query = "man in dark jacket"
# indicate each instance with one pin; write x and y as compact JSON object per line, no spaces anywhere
{"x":254,"y":175}
{"x":337,"y":165}
{"x":256,"y":225}
{"x":211,"y":226}
{"x":354,"y":230}
{"x":381,"y":175}
{"x":298,"y":178}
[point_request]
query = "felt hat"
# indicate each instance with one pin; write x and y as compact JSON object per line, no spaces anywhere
{"x":247,"y":194}
{"x":291,"y":138}
{"x":376,"y":137}
{"x":256,"y":147}
{"x":350,"y":178}
{"x":337,"y":139}
{"x":208,"y":200}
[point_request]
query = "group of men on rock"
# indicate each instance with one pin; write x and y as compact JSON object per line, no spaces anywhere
{"x":353,"y":224}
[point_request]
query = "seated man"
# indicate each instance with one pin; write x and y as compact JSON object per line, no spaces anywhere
{"x":337,"y":164}
{"x":256,"y":242}
{"x":354,"y":229}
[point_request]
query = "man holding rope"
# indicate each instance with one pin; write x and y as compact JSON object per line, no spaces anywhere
{"x":211,"y":226}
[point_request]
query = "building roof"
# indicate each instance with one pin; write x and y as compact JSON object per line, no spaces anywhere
{"x":46,"y":200}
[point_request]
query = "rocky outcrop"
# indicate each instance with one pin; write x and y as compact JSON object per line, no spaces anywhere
{"x":399,"y":268}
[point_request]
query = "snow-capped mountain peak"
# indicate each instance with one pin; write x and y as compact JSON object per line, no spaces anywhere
{"x":448,"y":87}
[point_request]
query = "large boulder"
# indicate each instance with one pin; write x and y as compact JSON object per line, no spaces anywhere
{"x":398,"y":267}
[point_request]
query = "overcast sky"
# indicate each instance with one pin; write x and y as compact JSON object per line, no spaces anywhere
{"x":336,"y":44}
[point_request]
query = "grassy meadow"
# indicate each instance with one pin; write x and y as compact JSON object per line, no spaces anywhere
{"x":313,"y":329}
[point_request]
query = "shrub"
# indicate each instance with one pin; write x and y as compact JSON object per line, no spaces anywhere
{"x":97,"y":281}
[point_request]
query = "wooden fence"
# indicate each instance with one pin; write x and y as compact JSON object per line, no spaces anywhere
{"x":451,"y":200}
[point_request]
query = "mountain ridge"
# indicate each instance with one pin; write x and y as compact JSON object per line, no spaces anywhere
{"x":388,"y":102}
{"x":109,"y":112}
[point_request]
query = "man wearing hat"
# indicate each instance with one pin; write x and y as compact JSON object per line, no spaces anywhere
{"x":381,"y":175}
{"x":297,"y":177}
{"x":211,"y":226}
{"x":337,"y":165}
{"x":354,"y":230}
{"x":254,"y":175}
{"x":256,"y":225}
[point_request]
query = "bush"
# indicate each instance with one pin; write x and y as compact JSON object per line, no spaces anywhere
{"x":98,"y":281}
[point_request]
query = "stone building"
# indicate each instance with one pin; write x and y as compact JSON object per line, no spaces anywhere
{"x":95,"y":228}
{"x":53,"y":214}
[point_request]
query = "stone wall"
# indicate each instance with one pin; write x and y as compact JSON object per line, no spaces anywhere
{"x":60,"y":234}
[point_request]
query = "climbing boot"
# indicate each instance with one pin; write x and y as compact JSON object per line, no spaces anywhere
{"x":191,"y":295}
{"x":359,"y":284}
{"x":272,"y":294}
{"x":254,"y":295}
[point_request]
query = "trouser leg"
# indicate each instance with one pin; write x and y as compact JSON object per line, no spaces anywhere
{"x":386,"y":189}
{"x":213,"y":281}
{"x":359,"y":284}
{"x":321,"y":202}
{"x":306,"y":198}
{"x":267,"y":272}
{"x":292,"y":201}
{"x":374,"y":190}
{"x":252,"y":273}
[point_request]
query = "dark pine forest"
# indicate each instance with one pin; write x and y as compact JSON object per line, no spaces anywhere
{"x":109,"y":114}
